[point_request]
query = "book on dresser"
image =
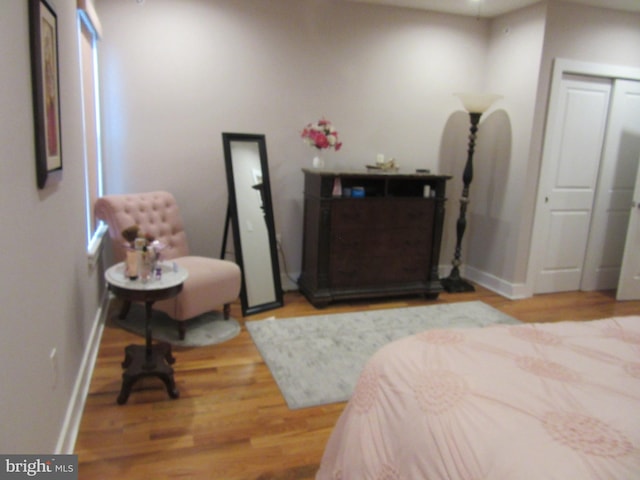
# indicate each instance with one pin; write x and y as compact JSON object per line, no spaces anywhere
{"x":371,"y":234}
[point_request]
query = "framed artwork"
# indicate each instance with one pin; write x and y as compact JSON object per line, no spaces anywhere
{"x":43,"y":29}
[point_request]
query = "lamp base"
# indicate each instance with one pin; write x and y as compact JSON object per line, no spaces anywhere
{"x":456,"y":284}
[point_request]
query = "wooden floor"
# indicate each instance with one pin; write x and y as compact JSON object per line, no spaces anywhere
{"x":231,"y":421}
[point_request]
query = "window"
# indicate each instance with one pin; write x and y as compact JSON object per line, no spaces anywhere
{"x":89,"y":33}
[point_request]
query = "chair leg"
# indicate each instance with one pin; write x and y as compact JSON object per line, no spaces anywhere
{"x":124,"y":310}
{"x":227,"y":311}
{"x":182,"y":330}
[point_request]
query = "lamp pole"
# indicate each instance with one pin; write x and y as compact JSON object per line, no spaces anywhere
{"x":476,"y":105}
{"x":455,"y":283}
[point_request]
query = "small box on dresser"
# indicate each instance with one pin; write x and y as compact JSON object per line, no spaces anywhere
{"x":384,"y":244}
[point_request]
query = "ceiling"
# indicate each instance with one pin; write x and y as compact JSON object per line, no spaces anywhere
{"x":492,"y":8}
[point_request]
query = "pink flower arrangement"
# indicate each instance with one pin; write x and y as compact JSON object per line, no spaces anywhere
{"x":321,"y":135}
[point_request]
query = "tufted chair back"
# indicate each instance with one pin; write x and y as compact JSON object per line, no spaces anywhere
{"x":211,"y":282}
{"x":156,"y":213}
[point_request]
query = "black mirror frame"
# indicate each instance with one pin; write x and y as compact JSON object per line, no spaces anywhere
{"x":227,"y":139}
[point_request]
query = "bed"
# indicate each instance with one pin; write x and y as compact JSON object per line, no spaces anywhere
{"x":531,"y":401}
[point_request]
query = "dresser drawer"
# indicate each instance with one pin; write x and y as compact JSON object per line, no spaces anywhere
{"x":376,"y":242}
{"x":409,"y":212}
{"x":346,"y":271}
{"x":354,"y":213}
{"x":373,"y":212}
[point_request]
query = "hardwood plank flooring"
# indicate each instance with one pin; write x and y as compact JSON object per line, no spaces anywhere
{"x":231,"y":422}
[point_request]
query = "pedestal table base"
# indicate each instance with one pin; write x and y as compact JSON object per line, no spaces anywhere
{"x":138,"y":366}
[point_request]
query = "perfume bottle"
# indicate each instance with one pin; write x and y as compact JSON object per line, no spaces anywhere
{"x":131,"y":264}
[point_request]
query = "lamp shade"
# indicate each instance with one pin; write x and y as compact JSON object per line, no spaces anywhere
{"x":477,"y":102}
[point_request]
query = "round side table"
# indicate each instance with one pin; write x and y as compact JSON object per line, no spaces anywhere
{"x":148,"y":360}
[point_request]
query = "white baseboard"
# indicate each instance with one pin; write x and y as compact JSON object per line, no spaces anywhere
{"x":68,"y":434}
{"x":512,"y":291}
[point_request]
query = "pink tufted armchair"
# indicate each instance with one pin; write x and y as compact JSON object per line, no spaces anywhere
{"x":212,"y":283}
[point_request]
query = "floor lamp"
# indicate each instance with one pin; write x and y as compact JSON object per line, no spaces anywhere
{"x":476,"y":105}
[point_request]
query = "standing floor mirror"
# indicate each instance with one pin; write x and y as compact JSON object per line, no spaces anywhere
{"x":251,"y":214}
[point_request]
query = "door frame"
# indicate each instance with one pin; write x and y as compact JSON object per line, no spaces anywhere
{"x":561,"y":67}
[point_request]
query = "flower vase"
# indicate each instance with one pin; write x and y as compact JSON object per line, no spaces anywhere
{"x":318,"y":161}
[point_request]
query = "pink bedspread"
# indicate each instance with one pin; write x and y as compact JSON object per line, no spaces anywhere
{"x":533,"y":401}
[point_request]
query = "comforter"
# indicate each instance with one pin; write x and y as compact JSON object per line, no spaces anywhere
{"x":532,"y":401}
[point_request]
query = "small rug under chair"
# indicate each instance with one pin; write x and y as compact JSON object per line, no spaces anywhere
{"x":316,"y":360}
{"x":207,"y":329}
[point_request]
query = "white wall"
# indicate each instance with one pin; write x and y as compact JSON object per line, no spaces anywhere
{"x":521,"y":50}
{"x":49,"y":297}
{"x":175,"y":74}
{"x":513,"y":62}
{"x":596,"y":35}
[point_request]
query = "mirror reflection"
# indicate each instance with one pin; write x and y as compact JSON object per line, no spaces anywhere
{"x":251,"y":216}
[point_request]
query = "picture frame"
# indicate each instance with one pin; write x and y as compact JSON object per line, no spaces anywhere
{"x":45,"y":79}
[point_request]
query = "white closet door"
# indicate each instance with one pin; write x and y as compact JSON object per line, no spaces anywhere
{"x":629,"y":284}
{"x":575,"y":134}
{"x":615,"y":189}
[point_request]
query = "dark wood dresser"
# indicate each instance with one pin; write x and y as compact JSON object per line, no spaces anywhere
{"x":385,"y":244}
